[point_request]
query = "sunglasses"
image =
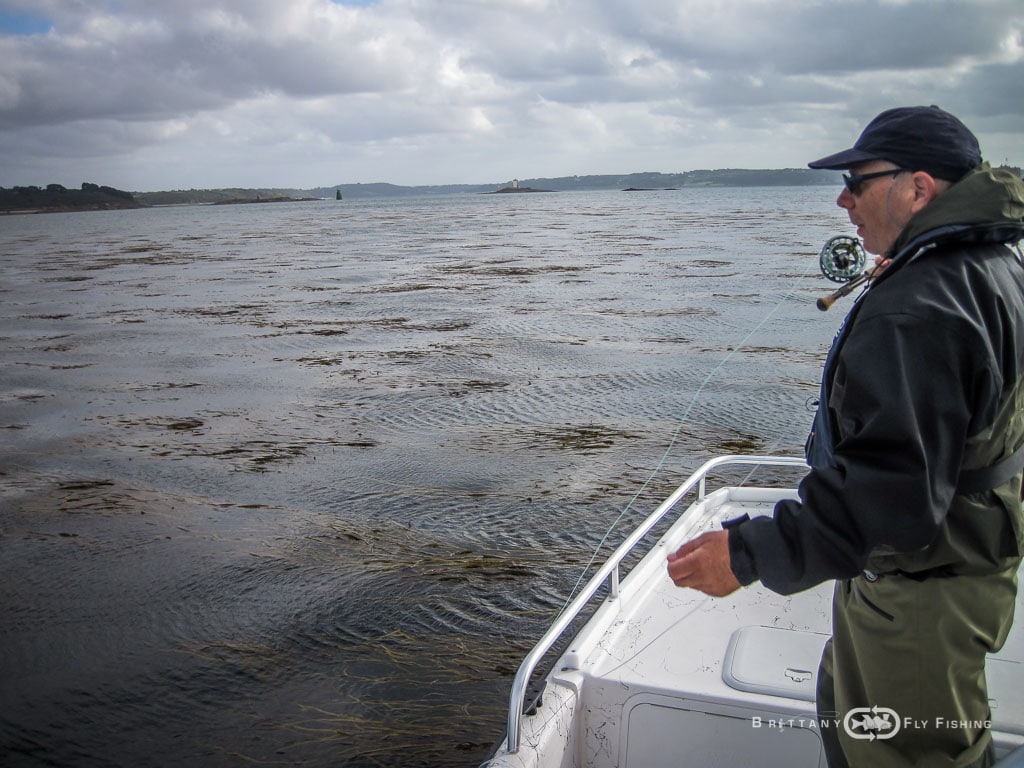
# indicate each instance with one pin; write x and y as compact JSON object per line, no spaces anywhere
{"x":855,"y":181}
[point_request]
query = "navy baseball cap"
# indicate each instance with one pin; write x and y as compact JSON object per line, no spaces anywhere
{"x":916,"y":139}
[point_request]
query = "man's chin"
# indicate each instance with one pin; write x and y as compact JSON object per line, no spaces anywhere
{"x":869,"y":244}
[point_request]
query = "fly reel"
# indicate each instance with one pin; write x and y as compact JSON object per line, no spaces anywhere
{"x":842,"y":259}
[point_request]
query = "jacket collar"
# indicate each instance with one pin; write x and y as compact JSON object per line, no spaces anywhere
{"x":987,"y":205}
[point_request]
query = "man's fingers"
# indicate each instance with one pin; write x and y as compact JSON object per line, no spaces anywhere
{"x":687,"y":561}
{"x":703,"y":564}
{"x":690,"y":547}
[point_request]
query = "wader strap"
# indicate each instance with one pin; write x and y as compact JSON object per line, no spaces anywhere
{"x":988,"y":478}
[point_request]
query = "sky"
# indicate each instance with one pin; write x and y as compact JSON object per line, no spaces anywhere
{"x":148,"y":95}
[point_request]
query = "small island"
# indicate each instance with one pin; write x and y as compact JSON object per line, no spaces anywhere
{"x":505,"y":190}
{"x":513,"y":188}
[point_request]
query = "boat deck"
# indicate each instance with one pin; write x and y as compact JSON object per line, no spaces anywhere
{"x":668,"y":676}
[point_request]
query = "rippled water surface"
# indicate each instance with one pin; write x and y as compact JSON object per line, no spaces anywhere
{"x":300,"y":484}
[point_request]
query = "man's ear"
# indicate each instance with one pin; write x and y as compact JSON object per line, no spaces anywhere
{"x":926,"y":188}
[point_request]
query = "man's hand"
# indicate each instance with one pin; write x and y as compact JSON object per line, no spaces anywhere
{"x":703,"y":564}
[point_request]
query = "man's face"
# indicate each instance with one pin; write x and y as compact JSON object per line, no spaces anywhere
{"x":877,"y":206}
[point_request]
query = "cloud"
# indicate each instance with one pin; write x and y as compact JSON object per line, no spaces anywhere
{"x":151,"y":94}
{"x":198,"y":57}
{"x":844,"y":36}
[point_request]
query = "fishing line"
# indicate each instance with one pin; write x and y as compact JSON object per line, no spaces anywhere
{"x":682,"y":422}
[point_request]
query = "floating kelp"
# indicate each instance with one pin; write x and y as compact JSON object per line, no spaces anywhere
{"x":582,"y":438}
{"x":740,"y":444}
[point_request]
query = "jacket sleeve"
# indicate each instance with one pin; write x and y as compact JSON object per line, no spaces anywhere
{"x":900,"y":395}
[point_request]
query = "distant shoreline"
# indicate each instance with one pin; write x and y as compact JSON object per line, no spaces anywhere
{"x":93,"y":197}
{"x":55,"y":198}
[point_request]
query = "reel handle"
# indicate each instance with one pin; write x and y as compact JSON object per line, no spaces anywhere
{"x":827,"y":301}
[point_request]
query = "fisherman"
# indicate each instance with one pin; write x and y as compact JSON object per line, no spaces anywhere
{"x":913,"y":501}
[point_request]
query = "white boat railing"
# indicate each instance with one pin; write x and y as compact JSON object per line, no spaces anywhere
{"x":610,"y":571}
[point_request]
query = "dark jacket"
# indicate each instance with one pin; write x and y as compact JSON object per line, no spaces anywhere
{"x":925,"y":381}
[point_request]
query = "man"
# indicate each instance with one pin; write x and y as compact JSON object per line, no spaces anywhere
{"x":913,"y":501}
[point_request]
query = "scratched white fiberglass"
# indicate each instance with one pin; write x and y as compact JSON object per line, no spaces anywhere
{"x":300,"y":483}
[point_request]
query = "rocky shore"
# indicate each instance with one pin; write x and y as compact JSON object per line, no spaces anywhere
{"x":244,"y":200}
{"x":506,"y":190}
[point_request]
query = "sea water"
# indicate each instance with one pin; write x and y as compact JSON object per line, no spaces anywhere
{"x":301,"y":483}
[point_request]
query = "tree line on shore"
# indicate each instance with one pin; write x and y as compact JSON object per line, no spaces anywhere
{"x":56,"y":197}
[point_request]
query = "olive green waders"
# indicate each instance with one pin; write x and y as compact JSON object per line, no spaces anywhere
{"x":902,"y":681}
